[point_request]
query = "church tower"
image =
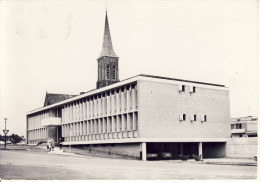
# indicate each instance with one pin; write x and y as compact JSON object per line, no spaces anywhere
{"x":107,"y":61}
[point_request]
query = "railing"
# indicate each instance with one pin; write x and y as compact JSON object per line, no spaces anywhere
{"x":238,"y":131}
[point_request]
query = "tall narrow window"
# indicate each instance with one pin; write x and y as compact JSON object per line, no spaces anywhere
{"x":108,"y":71}
{"x":114,"y":72}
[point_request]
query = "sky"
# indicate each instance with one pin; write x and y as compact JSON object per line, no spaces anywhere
{"x":53,"y":46}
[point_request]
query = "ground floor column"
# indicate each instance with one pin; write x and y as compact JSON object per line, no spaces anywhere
{"x":181,"y":148}
{"x":144,"y":151}
{"x":200,"y":149}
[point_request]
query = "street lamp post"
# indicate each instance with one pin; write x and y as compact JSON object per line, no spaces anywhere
{"x":5,"y":131}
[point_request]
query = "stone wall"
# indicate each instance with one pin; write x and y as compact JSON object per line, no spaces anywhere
{"x":241,"y":147}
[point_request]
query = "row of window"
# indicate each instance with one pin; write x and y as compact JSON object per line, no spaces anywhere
{"x":236,"y":126}
{"x":113,"y":72}
{"x":113,"y":102}
{"x":182,"y":88}
{"x":41,"y":133}
{"x":35,"y":120}
{"x":193,"y":117}
{"x":119,"y":123}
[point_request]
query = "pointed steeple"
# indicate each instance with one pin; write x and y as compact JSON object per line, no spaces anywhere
{"x":108,"y":72}
{"x":107,"y":49}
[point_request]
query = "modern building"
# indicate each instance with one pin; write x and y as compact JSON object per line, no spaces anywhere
{"x":139,"y":115}
{"x":244,"y":127}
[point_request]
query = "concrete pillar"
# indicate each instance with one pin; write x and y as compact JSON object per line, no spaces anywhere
{"x":181,"y":145}
{"x":200,"y":149}
{"x":144,"y":151}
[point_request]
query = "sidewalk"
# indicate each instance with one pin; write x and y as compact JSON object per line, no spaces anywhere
{"x":231,"y":161}
{"x":217,"y":161}
{"x":58,"y":151}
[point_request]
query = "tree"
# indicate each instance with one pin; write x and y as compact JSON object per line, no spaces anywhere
{"x":15,"y":138}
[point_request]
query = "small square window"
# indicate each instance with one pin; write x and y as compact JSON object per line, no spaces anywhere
{"x":203,"y":118}
{"x":181,"y":88}
{"x":192,"y":89}
{"x":182,"y":117}
{"x":193,"y":117}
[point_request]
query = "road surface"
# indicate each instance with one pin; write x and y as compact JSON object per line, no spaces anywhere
{"x":39,"y":165}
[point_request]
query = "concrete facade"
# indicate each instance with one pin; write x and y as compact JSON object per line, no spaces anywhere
{"x":161,"y":105}
{"x":242,"y":147}
{"x":139,"y":110}
{"x":129,"y":149}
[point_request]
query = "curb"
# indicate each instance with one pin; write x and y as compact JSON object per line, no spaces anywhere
{"x":65,"y":154}
{"x":229,"y":163}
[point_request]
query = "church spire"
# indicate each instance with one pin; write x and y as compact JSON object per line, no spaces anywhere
{"x":108,"y":72}
{"x":107,"y":49}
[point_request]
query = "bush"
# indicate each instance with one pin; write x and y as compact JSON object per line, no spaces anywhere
{"x":184,"y":157}
{"x":196,"y":157}
{"x":41,"y":143}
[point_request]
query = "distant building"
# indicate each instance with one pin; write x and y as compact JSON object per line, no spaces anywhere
{"x":139,"y":115}
{"x":244,"y":127}
{"x":51,"y":98}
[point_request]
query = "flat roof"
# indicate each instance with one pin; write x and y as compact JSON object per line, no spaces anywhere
{"x":181,"y":80}
{"x":128,"y":81}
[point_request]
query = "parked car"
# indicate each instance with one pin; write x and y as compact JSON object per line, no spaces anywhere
{"x":2,"y":142}
{"x":8,"y":142}
{"x":165,"y":155}
{"x":151,"y":156}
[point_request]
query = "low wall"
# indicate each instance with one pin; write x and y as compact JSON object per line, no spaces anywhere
{"x":241,"y":147}
{"x":127,"y":149}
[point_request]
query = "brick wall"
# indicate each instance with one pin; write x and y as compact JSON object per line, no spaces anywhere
{"x":161,"y":103}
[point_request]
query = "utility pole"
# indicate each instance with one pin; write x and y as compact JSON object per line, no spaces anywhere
{"x":5,"y":131}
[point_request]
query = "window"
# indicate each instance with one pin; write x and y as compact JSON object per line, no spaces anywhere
{"x":232,"y":126}
{"x":192,"y":89}
{"x":182,"y":117}
{"x":193,"y":117}
{"x":181,"y":88}
{"x":108,"y":71}
{"x":203,"y":118}
{"x":114,"y":72}
{"x":239,"y":126}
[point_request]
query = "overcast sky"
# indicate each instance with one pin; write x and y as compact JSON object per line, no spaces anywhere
{"x":53,"y":46}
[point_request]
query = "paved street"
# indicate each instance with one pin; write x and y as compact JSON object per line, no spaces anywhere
{"x":41,"y":165}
